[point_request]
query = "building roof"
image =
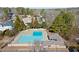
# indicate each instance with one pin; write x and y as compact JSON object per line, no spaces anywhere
{"x":5,"y":27}
{"x":27,"y":20}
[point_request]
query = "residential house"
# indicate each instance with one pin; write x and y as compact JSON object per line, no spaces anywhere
{"x":27,"y":19}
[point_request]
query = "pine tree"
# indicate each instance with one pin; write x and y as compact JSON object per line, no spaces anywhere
{"x":18,"y":24}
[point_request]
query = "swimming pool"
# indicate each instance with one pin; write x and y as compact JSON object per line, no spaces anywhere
{"x":35,"y":36}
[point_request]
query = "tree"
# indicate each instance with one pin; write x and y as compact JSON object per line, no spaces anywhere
{"x":21,"y":10}
{"x":5,"y":12}
{"x":42,"y":12}
{"x":8,"y":33}
{"x":29,"y":11}
{"x":44,"y":25}
{"x":63,"y":24}
{"x":24,"y":11}
{"x":18,"y":24}
{"x":34,"y":23}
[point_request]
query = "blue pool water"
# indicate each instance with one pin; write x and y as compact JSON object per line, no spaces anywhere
{"x":35,"y":36}
{"x":37,"y":33}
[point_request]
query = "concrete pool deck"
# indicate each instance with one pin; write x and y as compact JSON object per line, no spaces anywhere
{"x":28,"y":32}
{"x":38,"y":46}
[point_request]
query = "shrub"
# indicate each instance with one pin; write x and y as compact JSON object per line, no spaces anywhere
{"x":19,"y":25}
{"x":9,"y":33}
{"x":1,"y":33}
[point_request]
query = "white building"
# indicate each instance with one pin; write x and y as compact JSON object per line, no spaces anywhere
{"x":28,"y":19}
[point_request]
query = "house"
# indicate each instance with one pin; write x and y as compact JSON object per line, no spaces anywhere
{"x":6,"y":25}
{"x":40,"y":19}
{"x":5,"y":28}
{"x":27,"y":20}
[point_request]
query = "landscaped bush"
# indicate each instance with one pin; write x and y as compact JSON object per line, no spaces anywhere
{"x":1,"y":33}
{"x":19,"y":25}
{"x":1,"y":36}
{"x":76,"y":47}
{"x":9,"y":33}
